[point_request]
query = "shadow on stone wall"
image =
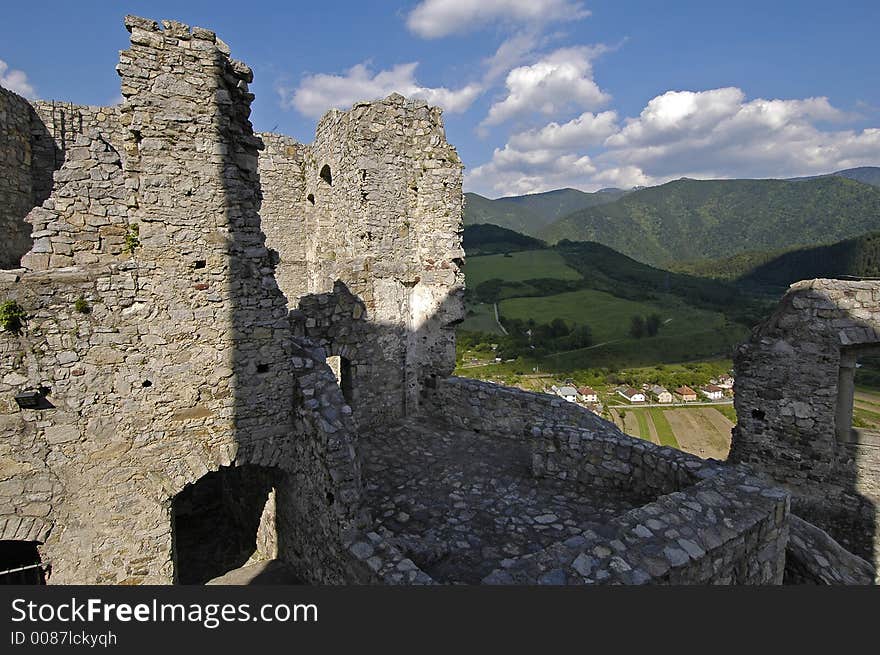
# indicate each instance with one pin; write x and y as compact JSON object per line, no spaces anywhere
{"x":377,"y":364}
{"x":791,"y":388}
{"x":30,"y":155}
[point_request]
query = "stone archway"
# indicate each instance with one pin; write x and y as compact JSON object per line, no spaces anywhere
{"x":225,"y":520}
{"x":20,"y":563}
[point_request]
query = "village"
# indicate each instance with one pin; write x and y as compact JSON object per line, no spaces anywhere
{"x":696,"y":420}
{"x":718,"y":390}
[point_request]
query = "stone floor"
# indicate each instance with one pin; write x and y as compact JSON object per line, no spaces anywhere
{"x":461,"y":504}
{"x":269,"y":572}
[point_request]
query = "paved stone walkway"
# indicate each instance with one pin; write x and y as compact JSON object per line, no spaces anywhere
{"x":461,"y":504}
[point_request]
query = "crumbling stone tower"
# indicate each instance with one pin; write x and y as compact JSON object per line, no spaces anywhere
{"x":368,"y":218}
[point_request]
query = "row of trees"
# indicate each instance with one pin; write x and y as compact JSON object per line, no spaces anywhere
{"x":529,"y":338}
{"x":644,"y":326}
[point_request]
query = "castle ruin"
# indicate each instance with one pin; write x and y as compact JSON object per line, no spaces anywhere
{"x":234,"y":348}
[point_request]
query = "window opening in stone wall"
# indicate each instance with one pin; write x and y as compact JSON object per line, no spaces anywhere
{"x":341,"y":368}
{"x":224,"y":521}
{"x":311,"y":198}
{"x":858,"y":393}
{"x":20,"y":563}
{"x":326,"y":175}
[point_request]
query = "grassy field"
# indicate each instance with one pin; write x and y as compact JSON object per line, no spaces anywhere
{"x":519,"y":266}
{"x":684,"y":347}
{"x":687,"y":333}
{"x":480,"y":318}
{"x":664,"y":430}
{"x":701,"y":431}
{"x":608,"y":316}
{"x":644,"y":431}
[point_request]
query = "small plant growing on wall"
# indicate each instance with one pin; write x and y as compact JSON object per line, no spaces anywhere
{"x":132,"y":238}
{"x":82,"y":306}
{"x":11,"y":316}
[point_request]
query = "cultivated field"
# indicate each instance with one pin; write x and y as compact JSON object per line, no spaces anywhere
{"x":702,"y":431}
{"x":866,"y":408}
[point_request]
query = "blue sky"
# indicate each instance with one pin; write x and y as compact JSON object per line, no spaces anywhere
{"x":538,"y":94}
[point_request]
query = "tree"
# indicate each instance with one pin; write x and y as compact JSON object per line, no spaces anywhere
{"x":580,"y":337}
{"x":558,"y":328}
{"x":652,"y":325}
{"x":637,"y":327}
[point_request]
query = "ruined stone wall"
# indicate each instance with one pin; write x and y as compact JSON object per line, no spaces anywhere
{"x":702,"y":522}
{"x":283,"y":212}
{"x":788,"y":378}
{"x":16,"y":182}
{"x":377,"y":206}
{"x":180,"y":358}
{"x":34,"y":141}
{"x":813,"y":557}
{"x":504,"y":411}
{"x":58,"y":124}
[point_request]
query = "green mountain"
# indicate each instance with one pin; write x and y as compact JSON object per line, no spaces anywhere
{"x":863,"y":174}
{"x":485,"y":239}
{"x":530,"y":213}
{"x":702,"y":219}
{"x":859,"y":257}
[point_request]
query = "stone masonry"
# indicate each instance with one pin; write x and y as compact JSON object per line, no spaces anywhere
{"x":794,"y":397}
{"x":236,"y":349}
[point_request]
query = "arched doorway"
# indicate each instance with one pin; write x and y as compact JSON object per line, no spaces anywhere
{"x":20,"y":563}
{"x":224,"y":521}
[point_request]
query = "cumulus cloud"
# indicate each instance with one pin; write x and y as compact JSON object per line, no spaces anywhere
{"x":586,"y":130}
{"x":557,"y":82}
{"x":717,"y":133}
{"x":514,"y":172}
{"x":433,"y":19}
{"x":318,"y":93}
{"x":16,"y":81}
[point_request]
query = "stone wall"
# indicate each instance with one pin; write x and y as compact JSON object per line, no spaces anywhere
{"x":179,"y":357}
{"x":793,"y":383}
{"x":813,"y":557}
{"x":283,"y":212}
{"x":505,"y":411}
{"x":702,"y":522}
{"x":34,"y":143}
{"x":16,"y":182}
{"x":375,"y":203}
{"x":57,"y":126}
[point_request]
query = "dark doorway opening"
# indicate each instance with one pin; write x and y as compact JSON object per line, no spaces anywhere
{"x":341,"y":368}
{"x":224,"y":521}
{"x":20,"y":563}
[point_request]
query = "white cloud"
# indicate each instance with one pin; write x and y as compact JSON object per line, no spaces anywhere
{"x":514,"y":172}
{"x":716,"y":133}
{"x":16,"y":81}
{"x":559,"y":81}
{"x":437,"y":18}
{"x":586,"y":130}
{"x":318,"y":93}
